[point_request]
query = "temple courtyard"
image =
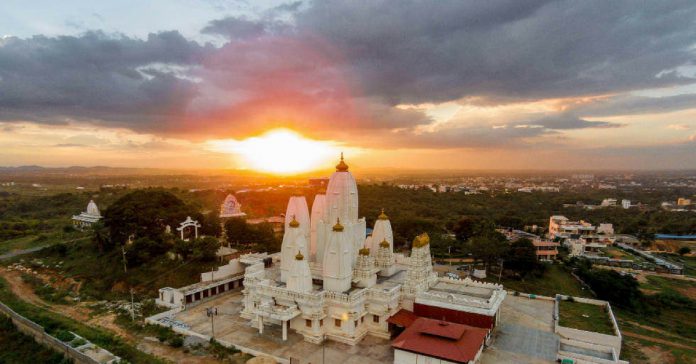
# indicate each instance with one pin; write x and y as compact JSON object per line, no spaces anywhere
{"x":525,"y":334}
{"x":230,"y":328}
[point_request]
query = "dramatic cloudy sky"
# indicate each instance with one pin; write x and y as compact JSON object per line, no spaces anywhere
{"x":423,"y":84}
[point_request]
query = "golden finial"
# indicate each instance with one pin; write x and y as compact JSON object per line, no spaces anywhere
{"x":299,"y":255}
{"x":341,"y":166}
{"x":294,"y":223}
{"x":384,"y":244}
{"x":383,"y":216}
{"x":421,"y":240}
{"x":364,"y":251}
{"x":338,"y":226}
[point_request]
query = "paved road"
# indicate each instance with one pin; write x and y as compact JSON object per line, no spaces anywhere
{"x":16,"y":253}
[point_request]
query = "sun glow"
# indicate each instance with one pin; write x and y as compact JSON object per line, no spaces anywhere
{"x":280,"y":151}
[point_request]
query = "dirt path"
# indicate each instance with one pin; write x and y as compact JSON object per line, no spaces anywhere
{"x":106,"y":321}
{"x":660,"y":341}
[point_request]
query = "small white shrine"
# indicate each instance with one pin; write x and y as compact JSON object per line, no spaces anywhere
{"x":231,"y":208}
{"x":189,"y":223}
{"x":87,"y":218}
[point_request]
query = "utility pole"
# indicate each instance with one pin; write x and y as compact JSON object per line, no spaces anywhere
{"x":132,"y":305}
{"x":501,"y":270}
{"x":212,"y":312}
{"x":123,"y":251}
{"x":125,"y":270}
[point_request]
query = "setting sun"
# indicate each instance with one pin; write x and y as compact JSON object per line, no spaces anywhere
{"x":280,"y":151}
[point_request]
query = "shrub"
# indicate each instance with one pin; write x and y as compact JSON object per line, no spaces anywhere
{"x":64,"y":336}
{"x":176,"y":341}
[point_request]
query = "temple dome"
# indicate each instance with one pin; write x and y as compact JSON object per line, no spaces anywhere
{"x":92,"y":209}
{"x":341,"y":198}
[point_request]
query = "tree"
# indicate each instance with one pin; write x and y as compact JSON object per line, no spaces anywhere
{"x":470,"y":226}
{"x":522,"y":259}
{"x":622,"y":291}
{"x":646,"y":238}
{"x":238,"y":231}
{"x":144,"y":213}
{"x":489,"y":248}
{"x":183,"y":248}
{"x":100,"y":237}
{"x":210,"y":224}
{"x":144,"y":250}
{"x":205,"y":248}
{"x":684,"y":250}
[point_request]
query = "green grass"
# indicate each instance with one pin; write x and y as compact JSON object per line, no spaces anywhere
{"x":675,"y":324}
{"x":43,"y":239}
{"x":657,"y":283}
{"x":584,"y":316}
{"x":102,"y":274}
{"x":21,"y":348}
{"x":54,"y":323}
{"x":555,"y":280}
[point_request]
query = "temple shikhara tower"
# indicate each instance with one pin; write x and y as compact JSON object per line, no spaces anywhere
{"x":331,"y":280}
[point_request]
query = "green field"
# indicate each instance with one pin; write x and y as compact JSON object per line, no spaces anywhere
{"x":673,"y":329}
{"x":584,"y":316}
{"x":555,"y":280}
{"x":53,"y":322}
{"x":24,"y":348}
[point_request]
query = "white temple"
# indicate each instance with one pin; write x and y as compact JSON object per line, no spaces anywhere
{"x":231,"y":208}
{"x":333,"y":282}
{"x":87,"y":218}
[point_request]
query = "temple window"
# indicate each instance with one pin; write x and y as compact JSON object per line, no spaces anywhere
{"x":337,"y":322}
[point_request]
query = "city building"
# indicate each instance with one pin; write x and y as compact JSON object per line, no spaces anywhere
{"x":436,"y":341}
{"x":88,"y":217}
{"x":546,"y":250}
{"x":681,"y":201}
{"x":580,"y":237}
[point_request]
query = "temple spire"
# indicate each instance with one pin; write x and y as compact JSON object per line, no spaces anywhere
{"x":342,"y":166}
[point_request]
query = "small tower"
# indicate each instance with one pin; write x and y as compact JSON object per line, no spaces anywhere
{"x":293,"y":241}
{"x":337,"y":269}
{"x":420,"y":275}
{"x":365,"y":272}
{"x":385,"y":259}
{"x":381,"y":232}
{"x":300,"y":277}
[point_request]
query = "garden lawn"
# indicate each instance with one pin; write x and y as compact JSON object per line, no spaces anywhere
{"x":585,"y":316}
{"x":555,"y":280}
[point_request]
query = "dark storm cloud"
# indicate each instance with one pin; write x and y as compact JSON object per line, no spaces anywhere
{"x":235,"y":28}
{"x":421,"y":50}
{"x":350,"y":62}
{"x":512,"y":135}
{"x":114,"y":79}
{"x":631,"y":104}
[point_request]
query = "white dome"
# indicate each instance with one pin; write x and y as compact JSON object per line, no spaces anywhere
{"x":299,"y":276}
{"x":92,"y":209}
{"x":293,"y":242}
{"x":382,"y":231}
{"x":341,"y":197}
{"x":337,"y":264}
{"x":297,"y":208}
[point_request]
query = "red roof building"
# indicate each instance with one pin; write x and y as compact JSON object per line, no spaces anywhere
{"x":447,"y":341}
